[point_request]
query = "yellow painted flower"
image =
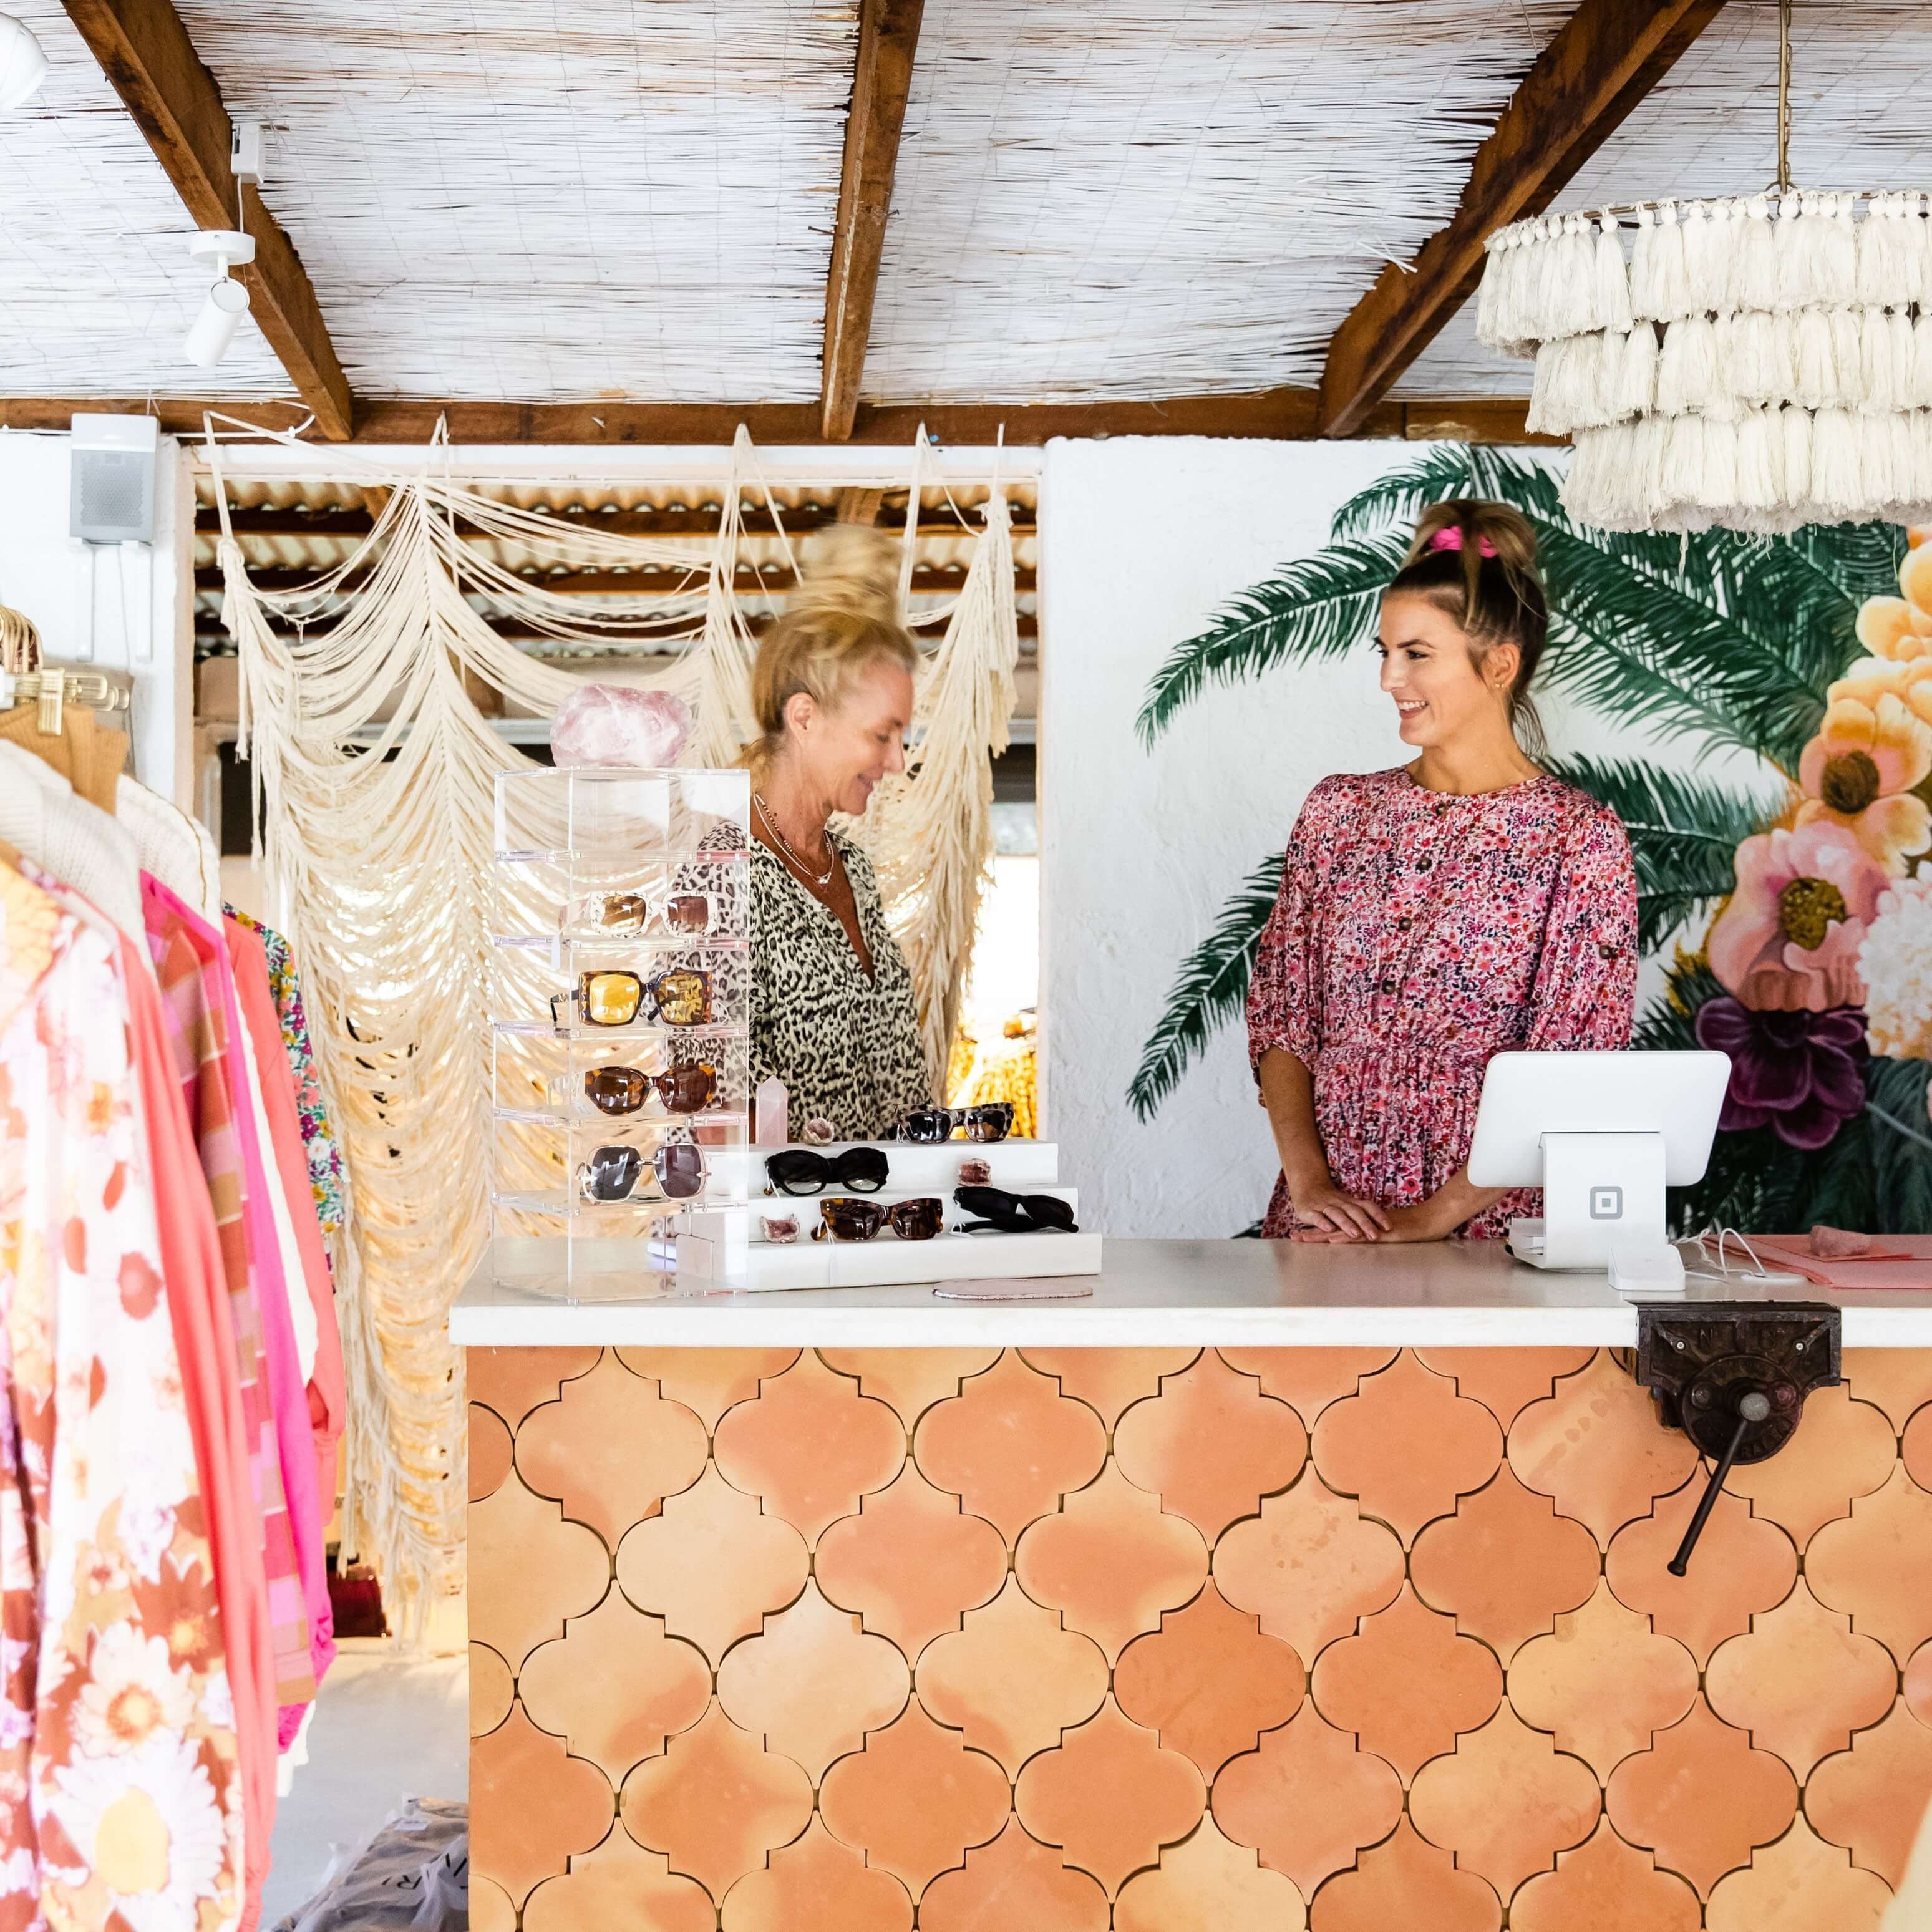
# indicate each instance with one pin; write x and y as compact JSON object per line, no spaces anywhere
{"x":1861,"y":769}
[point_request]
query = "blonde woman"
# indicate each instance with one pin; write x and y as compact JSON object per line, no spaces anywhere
{"x":833,"y":1011}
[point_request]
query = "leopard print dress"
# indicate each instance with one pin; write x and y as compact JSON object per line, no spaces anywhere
{"x":846,"y":1044}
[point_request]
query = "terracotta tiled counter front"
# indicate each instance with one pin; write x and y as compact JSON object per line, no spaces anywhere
{"x":1018,"y":1635}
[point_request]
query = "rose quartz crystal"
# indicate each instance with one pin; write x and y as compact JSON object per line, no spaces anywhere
{"x":612,"y":725}
{"x":1835,"y":1244}
{"x":975,"y":1173}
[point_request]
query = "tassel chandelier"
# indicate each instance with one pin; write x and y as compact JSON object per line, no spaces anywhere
{"x":1758,"y":362}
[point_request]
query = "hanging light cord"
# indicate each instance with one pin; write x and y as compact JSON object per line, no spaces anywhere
{"x":1784,"y":96}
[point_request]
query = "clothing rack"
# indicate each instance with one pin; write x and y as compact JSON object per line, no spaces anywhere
{"x":56,"y":687}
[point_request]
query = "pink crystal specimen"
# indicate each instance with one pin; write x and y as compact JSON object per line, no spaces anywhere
{"x":613,"y":724}
{"x":1836,"y":1244}
{"x":975,"y":1173}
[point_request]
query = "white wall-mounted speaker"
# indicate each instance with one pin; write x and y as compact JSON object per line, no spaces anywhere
{"x":113,"y":498}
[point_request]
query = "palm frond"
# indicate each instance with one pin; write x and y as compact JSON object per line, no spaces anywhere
{"x":1901,"y":1144}
{"x":1316,"y":607}
{"x":1210,"y":989}
{"x":1684,"y":832}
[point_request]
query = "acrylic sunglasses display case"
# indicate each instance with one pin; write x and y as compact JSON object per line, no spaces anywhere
{"x":620,"y":1038}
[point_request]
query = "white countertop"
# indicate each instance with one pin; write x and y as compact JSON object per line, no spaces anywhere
{"x":1202,"y":1293}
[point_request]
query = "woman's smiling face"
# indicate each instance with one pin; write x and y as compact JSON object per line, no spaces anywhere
{"x":1429,"y":668}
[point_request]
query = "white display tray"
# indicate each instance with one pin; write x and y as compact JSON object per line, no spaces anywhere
{"x":888,"y":1262}
{"x":805,"y":1206}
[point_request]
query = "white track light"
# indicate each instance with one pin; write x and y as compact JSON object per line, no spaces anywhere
{"x":226,"y":302}
{"x":23,"y":65}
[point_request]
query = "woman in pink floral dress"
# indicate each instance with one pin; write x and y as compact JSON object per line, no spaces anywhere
{"x":1434,"y":915}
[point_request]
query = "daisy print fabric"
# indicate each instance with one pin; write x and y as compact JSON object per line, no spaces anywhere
{"x":120,"y":1794}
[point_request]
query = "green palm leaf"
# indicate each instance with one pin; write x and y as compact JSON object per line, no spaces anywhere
{"x":1316,"y":607}
{"x":1684,"y":832}
{"x":1901,"y":1142}
{"x":1210,"y":989}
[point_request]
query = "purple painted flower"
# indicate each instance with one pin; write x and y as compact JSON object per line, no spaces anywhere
{"x":1801,"y":1074}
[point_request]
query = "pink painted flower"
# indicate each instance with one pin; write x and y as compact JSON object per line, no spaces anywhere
{"x":1789,"y":939}
{"x":1873,"y":751}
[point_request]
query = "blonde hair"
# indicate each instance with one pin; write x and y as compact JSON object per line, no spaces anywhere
{"x":843,"y":619}
{"x":1485,"y":576}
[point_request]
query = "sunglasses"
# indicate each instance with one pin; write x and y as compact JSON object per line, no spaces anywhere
{"x":689,"y":1089}
{"x":681,"y":998}
{"x":624,"y":915}
{"x":676,"y":1171}
{"x":844,"y":1220}
{"x":930,"y":1124}
{"x":800,"y":1170}
{"x":1014,"y":1214}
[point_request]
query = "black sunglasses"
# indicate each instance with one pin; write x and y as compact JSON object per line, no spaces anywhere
{"x":800,"y":1170}
{"x":992,"y":1122}
{"x":1014,"y":1214}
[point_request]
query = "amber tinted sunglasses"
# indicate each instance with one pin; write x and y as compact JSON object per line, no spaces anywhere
{"x":681,"y":998}
{"x":843,"y":1220}
{"x":689,"y":1089}
{"x":676,"y":1171}
{"x":689,"y":915}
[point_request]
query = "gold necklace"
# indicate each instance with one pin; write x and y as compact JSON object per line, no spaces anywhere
{"x":820,"y":880}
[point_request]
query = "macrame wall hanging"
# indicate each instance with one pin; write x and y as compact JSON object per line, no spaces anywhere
{"x":375,"y":772}
{"x":1759,"y":362}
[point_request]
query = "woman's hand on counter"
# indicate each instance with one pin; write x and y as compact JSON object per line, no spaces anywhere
{"x":1332,"y":1215}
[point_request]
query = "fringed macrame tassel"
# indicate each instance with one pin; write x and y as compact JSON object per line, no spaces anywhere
{"x":1611,"y":279}
{"x":1838,"y":250}
{"x":1584,"y":480}
{"x":1754,"y":272}
{"x":1681,"y":479}
{"x":1836,"y":450}
{"x":1687,"y":370}
{"x":1797,"y":253}
{"x":1796,"y":427}
{"x":1908,"y":478}
{"x":1717,"y":494}
{"x":1816,"y":383}
{"x":1746,"y":350}
{"x":1634,"y":393}
{"x":1876,"y":482}
{"x":1914,"y":244}
{"x":1487,"y":291}
{"x":1759,"y":453}
{"x":1670,"y":285}
{"x":1706,"y":261}
{"x":1918,"y":382}
{"x":1643,"y":267}
{"x":1847,"y":358}
{"x":1881,"y":375}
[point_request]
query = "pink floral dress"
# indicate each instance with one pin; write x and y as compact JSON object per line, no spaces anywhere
{"x":1416,"y":935}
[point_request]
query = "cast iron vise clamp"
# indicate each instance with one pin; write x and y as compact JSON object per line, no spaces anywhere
{"x":1733,"y":1375}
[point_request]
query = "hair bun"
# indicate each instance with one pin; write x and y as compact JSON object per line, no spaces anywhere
{"x":851,"y":570}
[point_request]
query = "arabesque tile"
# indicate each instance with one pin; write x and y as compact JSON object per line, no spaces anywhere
{"x":815,"y":1884}
{"x":619,"y":1887}
{"x":614,"y":1686}
{"x":529,"y":1569}
{"x":1012,"y":1678}
{"x":1702,"y":1798}
{"x":489,"y":1907}
{"x":711,"y":1563}
{"x":1605,"y":1886}
{"x":811,"y":1445}
{"x":1898,"y":1380}
{"x":1210,"y":1445}
{"x":490,"y":1451}
{"x":1504,"y":1381}
{"x":1801,"y":1681}
{"x":1404,"y":1882}
{"x":1010,"y":1444}
{"x":532,"y":1805}
{"x":1504,"y":1564}
{"x":1603,"y":1682}
{"x":1108,"y":1379}
{"x":1873,"y":1798}
{"x":1915,"y":1447}
{"x":1206,"y":1884}
{"x":1505,"y":1800}
{"x":915,"y":1799}
{"x":492,"y":1690}
{"x":1111,"y":1561}
{"x":1843,"y":1448}
{"x":1366,"y":1445}
{"x":1742,"y":1564}
{"x":1800,"y":1884}
{"x":1308,"y":1379}
{"x":814,"y":1684}
{"x":1208,"y":1681}
{"x":1918,"y":1681}
{"x":1596,"y":1448}
{"x":610,"y":1449}
{"x":707,"y":1381}
{"x":1308,"y":1566}
{"x":1407,"y":1684}
{"x":1876,"y":1565}
{"x":1013,"y":1882}
{"x":909,"y":1380}
{"x":1307,"y":1800}
{"x":715,"y":1802}
{"x":1110,"y":1797}
{"x":911,"y":1562}
{"x":512,"y":1381}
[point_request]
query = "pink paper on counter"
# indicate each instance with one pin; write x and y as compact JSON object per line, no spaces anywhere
{"x":1895,"y":1261}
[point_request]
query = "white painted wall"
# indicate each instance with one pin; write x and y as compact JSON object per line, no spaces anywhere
{"x":125,"y":607}
{"x":1141,"y":541}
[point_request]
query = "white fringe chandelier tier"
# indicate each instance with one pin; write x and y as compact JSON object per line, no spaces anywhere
{"x":1759,"y":362}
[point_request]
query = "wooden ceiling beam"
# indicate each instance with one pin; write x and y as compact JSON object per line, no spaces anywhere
{"x":1281,"y":415}
{"x":144,"y":51}
{"x":888,"y":39}
{"x":1605,"y":58}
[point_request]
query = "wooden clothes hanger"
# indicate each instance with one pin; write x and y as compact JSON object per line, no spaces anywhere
{"x":50,"y":712}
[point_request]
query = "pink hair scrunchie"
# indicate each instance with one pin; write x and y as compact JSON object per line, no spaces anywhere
{"x":1450,"y":537}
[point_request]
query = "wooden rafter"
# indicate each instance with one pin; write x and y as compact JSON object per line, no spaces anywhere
{"x":1607,"y":57}
{"x":888,"y":38}
{"x":144,"y":51}
{"x":1285,"y":415}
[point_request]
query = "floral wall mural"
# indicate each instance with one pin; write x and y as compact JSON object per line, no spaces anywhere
{"x":1792,"y":914}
